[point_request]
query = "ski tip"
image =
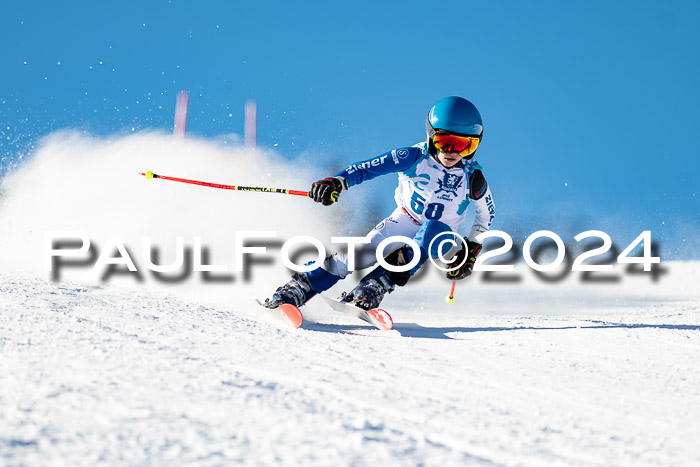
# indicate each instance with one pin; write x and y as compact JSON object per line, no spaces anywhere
{"x":381,"y":319}
{"x":291,"y":314}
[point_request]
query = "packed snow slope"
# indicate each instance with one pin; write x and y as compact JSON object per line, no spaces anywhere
{"x":520,"y":371}
{"x":520,"y":375}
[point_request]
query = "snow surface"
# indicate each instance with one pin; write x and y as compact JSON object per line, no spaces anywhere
{"x":95,"y":374}
{"x":514,"y":373}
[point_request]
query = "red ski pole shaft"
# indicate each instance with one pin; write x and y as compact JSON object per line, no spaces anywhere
{"x":451,"y":298}
{"x":149,"y":175}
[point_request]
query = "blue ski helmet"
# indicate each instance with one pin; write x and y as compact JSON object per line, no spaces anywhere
{"x":454,"y":115}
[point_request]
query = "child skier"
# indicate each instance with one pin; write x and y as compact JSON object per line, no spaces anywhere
{"x":437,"y":180}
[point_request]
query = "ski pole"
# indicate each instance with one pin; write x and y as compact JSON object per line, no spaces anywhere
{"x":149,"y":175}
{"x":451,"y":297}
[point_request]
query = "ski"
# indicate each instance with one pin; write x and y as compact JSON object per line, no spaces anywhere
{"x":288,"y":314}
{"x":376,"y":316}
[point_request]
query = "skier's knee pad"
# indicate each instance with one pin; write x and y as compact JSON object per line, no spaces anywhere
{"x":427,"y":233}
{"x":400,"y":257}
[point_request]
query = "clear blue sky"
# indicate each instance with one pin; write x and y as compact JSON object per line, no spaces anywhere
{"x":590,"y":108}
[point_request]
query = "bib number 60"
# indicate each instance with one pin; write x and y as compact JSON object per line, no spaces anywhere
{"x":432,"y":210}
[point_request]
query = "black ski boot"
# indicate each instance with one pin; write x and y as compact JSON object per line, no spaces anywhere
{"x":370,"y":291}
{"x":295,"y":292}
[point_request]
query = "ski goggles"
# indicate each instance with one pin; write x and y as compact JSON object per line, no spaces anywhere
{"x":462,"y":145}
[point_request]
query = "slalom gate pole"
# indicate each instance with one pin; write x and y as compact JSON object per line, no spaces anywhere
{"x":149,"y":175}
{"x":451,"y":298}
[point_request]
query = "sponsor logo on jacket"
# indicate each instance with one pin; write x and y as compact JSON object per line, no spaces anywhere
{"x":367,"y":164}
{"x":491,"y":208}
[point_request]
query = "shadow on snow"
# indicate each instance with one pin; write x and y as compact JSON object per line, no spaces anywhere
{"x":424,"y":332}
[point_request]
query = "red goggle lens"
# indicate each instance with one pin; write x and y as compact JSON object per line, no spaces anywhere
{"x":462,"y":145}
